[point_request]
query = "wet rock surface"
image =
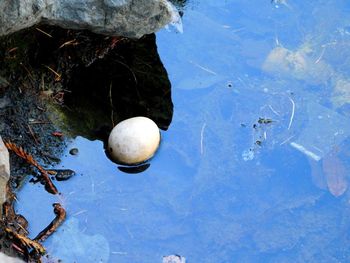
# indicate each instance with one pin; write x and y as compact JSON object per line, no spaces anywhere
{"x":111,"y":17}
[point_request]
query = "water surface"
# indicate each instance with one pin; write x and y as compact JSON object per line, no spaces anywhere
{"x":255,"y":164}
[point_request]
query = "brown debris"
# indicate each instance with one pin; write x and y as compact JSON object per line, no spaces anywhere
{"x":60,"y":217}
{"x":58,"y":76}
{"x":26,"y":242}
{"x":72,"y":42}
{"x":49,"y":186}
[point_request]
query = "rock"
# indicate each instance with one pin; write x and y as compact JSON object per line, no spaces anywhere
{"x":4,"y":172}
{"x":63,"y":174}
{"x":110,"y":17}
{"x":7,"y":259}
{"x":73,"y":151}
{"x":174,"y":259}
{"x":297,"y":65}
{"x":134,"y":140}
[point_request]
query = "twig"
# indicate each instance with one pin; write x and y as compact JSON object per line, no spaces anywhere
{"x":39,"y":122}
{"x":70,"y":42}
{"x":287,"y":140}
{"x":17,"y":248}
{"x":128,"y":68}
{"x":57,"y":75}
{"x":60,"y":217}
{"x":27,"y":242}
{"x":292,"y":116}
{"x":42,"y":31}
{"x":32,"y":133}
{"x":111,"y":103}
{"x":49,"y":186}
{"x":202,"y":137}
{"x":274,"y":111}
{"x":12,"y":49}
{"x":27,"y":70}
{"x":202,"y":68}
{"x":320,"y":57}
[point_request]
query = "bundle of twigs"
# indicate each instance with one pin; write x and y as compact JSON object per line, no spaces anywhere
{"x":26,"y":241}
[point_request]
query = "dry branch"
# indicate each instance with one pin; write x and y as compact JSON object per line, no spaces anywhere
{"x":49,"y":186}
{"x":27,"y":242}
{"x":60,"y":217}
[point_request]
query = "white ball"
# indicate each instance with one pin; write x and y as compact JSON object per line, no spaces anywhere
{"x":134,"y":140}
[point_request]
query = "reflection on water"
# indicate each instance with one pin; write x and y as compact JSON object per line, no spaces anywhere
{"x":255,"y":165}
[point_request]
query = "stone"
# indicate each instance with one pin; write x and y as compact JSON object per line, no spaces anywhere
{"x":73,"y":151}
{"x":4,"y":172}
{"x":174,"y":259}
{"x":7,"y":259}
{"x":126,"y":18}
{"x":133,"y":140}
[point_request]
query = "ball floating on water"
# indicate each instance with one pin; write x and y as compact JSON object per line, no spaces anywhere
{"x":134,"y":140}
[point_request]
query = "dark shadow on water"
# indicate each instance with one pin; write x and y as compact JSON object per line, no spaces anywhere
{"x":105,"y":80}
{"x":129,"y":81}
{"x":134,"y":169}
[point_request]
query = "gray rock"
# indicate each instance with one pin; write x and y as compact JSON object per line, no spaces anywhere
{"x":4,"y":172}
{"x":110,"y":17}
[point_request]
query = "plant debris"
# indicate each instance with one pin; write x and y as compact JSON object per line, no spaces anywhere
{"x":60,"y":217}
{"x":26,"y":242}
{"x":49,"y":186}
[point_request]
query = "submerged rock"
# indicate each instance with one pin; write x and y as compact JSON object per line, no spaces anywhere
{"x":63,"y":174}
{"x":297,"y":64}
{"x":111,"y":17}
{"x":174,"y":259}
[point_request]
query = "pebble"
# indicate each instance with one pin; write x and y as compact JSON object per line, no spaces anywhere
{"x":133,"y":141}
{"x":63,"y":174}
{"x":73,"y":151}
{"x":174,"y":259}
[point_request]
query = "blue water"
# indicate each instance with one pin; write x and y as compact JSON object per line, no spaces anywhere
{"x":224,"y":186}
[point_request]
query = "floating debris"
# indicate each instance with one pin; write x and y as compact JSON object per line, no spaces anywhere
{"x":264,"y":121}
{"x":259,"y":137}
